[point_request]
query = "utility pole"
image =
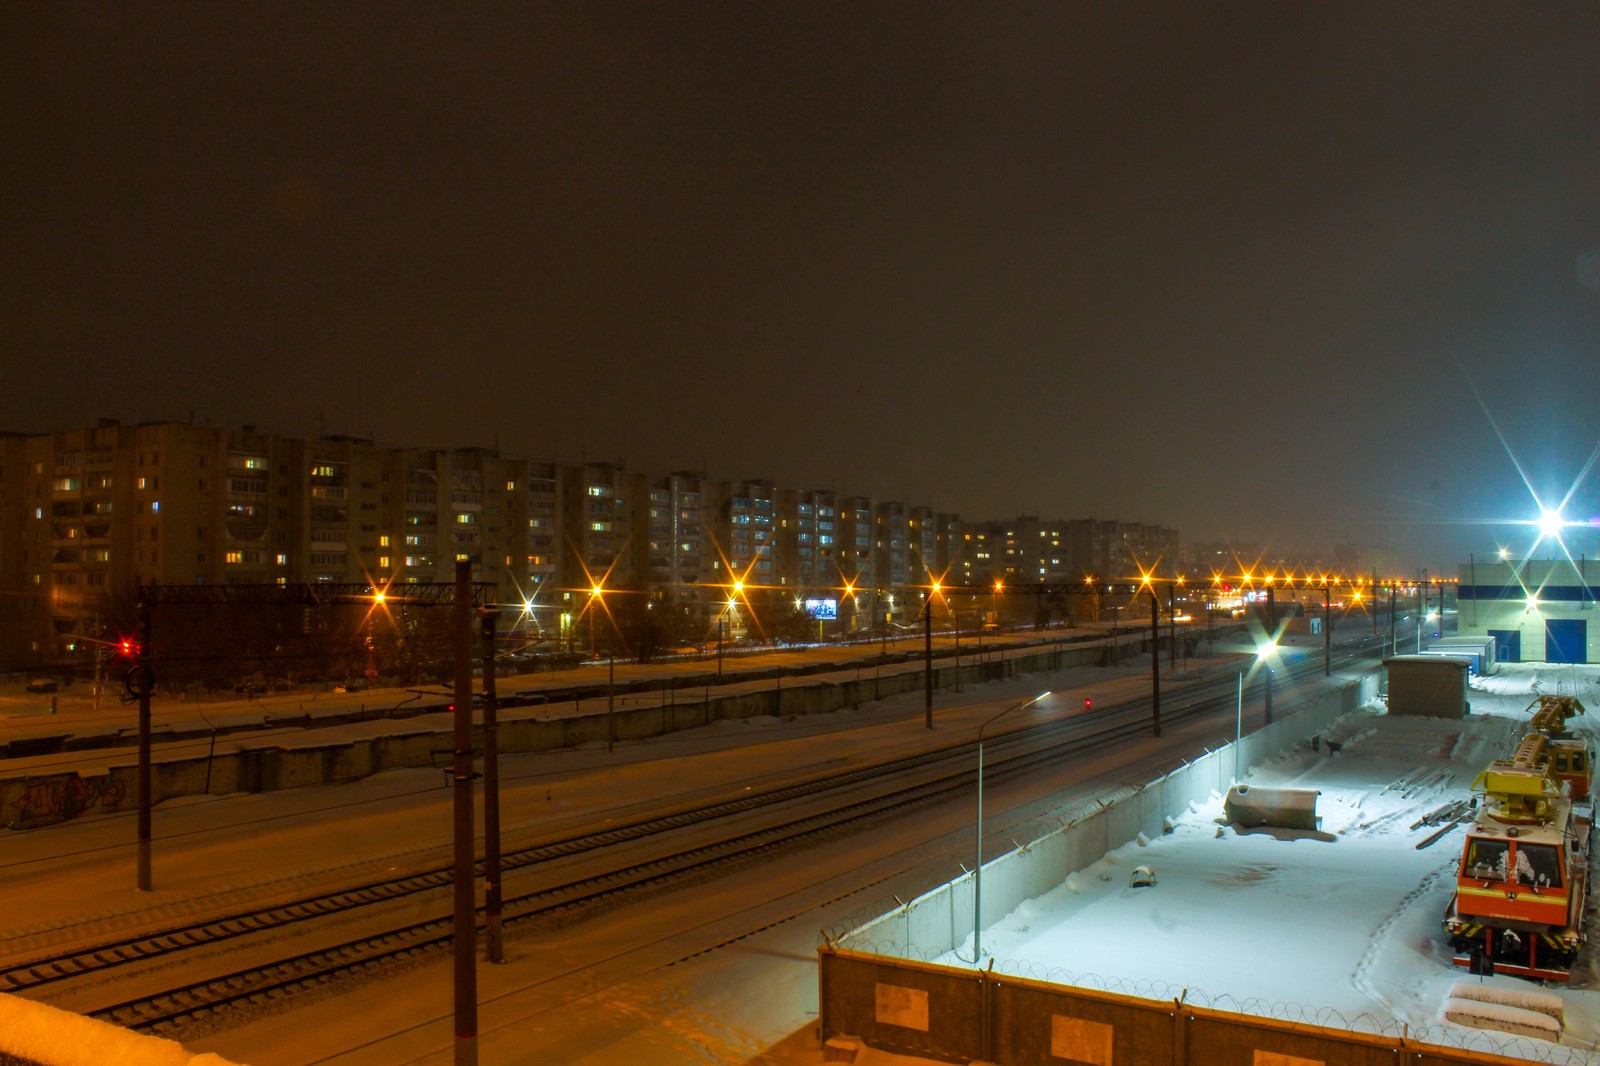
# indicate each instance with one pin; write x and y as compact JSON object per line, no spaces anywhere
{"x":1172,"y":625}
{"x":927,"y":638}
{"x":1327,"y":633}
{"x":494,"y":940}
{"x":465,"y":928}
{"x":1268,"y":700}
{"x":143,"y":684}
{"x":1394,"y":636}
{"x":1155,"y":664}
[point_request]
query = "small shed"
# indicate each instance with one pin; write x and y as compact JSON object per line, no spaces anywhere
{"x":1428,"y":686}
{"x":1479,"y":649}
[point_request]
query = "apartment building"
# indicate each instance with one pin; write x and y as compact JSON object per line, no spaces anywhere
{"x":88,"y":515}
{"x":804,"y":555}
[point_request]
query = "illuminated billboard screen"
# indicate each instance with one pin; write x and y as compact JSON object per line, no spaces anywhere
{"x":822,"y":608}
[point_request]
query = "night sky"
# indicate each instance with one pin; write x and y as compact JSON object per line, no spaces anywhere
{"x":1268,"y":272}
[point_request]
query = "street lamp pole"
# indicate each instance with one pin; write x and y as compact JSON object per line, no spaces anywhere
{"x":977,"y":870}
{"x":1172,"y":625}
{"x":927,"y":649}
{"x":494,"y":939}
{"x":1155,"y":663}
{"x":1268,"y":700}
{"x":1327,"y":633}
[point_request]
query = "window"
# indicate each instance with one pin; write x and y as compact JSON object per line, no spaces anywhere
{"x":383,"y":541}
{"x":155,"y":507}
{"x":1538,"y":865}
{"x":1485,"y":859}
{"x":282,"y":559}
{"x":322,"y":470}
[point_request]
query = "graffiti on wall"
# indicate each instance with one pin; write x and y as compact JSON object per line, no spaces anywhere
{"x":60,"y":798}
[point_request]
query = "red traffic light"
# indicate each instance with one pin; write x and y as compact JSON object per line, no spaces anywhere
{"x":1088,"y":705}
{"x":128,"y":648}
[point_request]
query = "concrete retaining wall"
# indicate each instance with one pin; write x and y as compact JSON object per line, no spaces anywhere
{"x":266,"y":766}
{"x":936,"y":923}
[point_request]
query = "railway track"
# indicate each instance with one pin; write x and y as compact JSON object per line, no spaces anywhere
{"x":112,"y":980}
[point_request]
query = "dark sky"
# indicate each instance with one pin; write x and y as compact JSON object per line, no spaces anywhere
{"x":1234,"y":267}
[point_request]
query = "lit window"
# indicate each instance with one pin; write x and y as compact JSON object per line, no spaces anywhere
{"x":383,"y":541}
{"x":234,"y":557}
{"x":155,"y":507}
{"x":383,"y":561}
{"x":463,"y":557}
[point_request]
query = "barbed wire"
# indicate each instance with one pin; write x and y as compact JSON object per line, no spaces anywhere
{"x":1442,"y":1034}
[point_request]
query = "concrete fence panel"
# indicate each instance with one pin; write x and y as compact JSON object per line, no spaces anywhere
{"x":931,"y":1011}
{"x":1211,"y":1038}
{"x":1039,"y":1024}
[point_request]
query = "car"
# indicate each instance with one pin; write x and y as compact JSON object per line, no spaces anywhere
{"x":42,"y":684}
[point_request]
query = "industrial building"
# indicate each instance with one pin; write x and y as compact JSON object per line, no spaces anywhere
{"x":1536,"y":610}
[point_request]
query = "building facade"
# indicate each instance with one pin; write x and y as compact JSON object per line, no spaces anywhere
{"x":1536,"y":610}
{"x":89,"y":515}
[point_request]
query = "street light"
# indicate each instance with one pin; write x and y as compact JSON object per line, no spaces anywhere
{"x":1264,"y":656}
{"x":977,"y":871}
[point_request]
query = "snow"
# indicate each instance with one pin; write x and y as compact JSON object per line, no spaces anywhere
{"x":1339,"y":923}
{"x":706,"y":989}
{"x":40,"y":1033}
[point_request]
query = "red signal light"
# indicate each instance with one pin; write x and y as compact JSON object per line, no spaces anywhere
{"x":1088,"y":705}
{"x":128,"y":648}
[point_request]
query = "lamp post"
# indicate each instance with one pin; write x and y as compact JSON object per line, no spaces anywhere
{"x":977,"y":870}
{"x":1327,"y":632}
{"x":494,"y":937}
{"x":927,"y":652}
{"x":1264,"y":654}
{"x":1155,"y":662}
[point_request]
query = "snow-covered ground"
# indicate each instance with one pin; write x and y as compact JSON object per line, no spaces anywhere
{"x":587,"y":994}
{"x":1327,"y":925}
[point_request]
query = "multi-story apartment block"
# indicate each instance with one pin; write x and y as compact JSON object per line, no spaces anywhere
{"x":891,"y":546}
{"x":742,"y":529}
{"x":88,"y":515}
{"x":670,"y":520}
{"x":804,"y":549}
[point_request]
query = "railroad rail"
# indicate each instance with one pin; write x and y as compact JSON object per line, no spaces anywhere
{"x":689,"y":842}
